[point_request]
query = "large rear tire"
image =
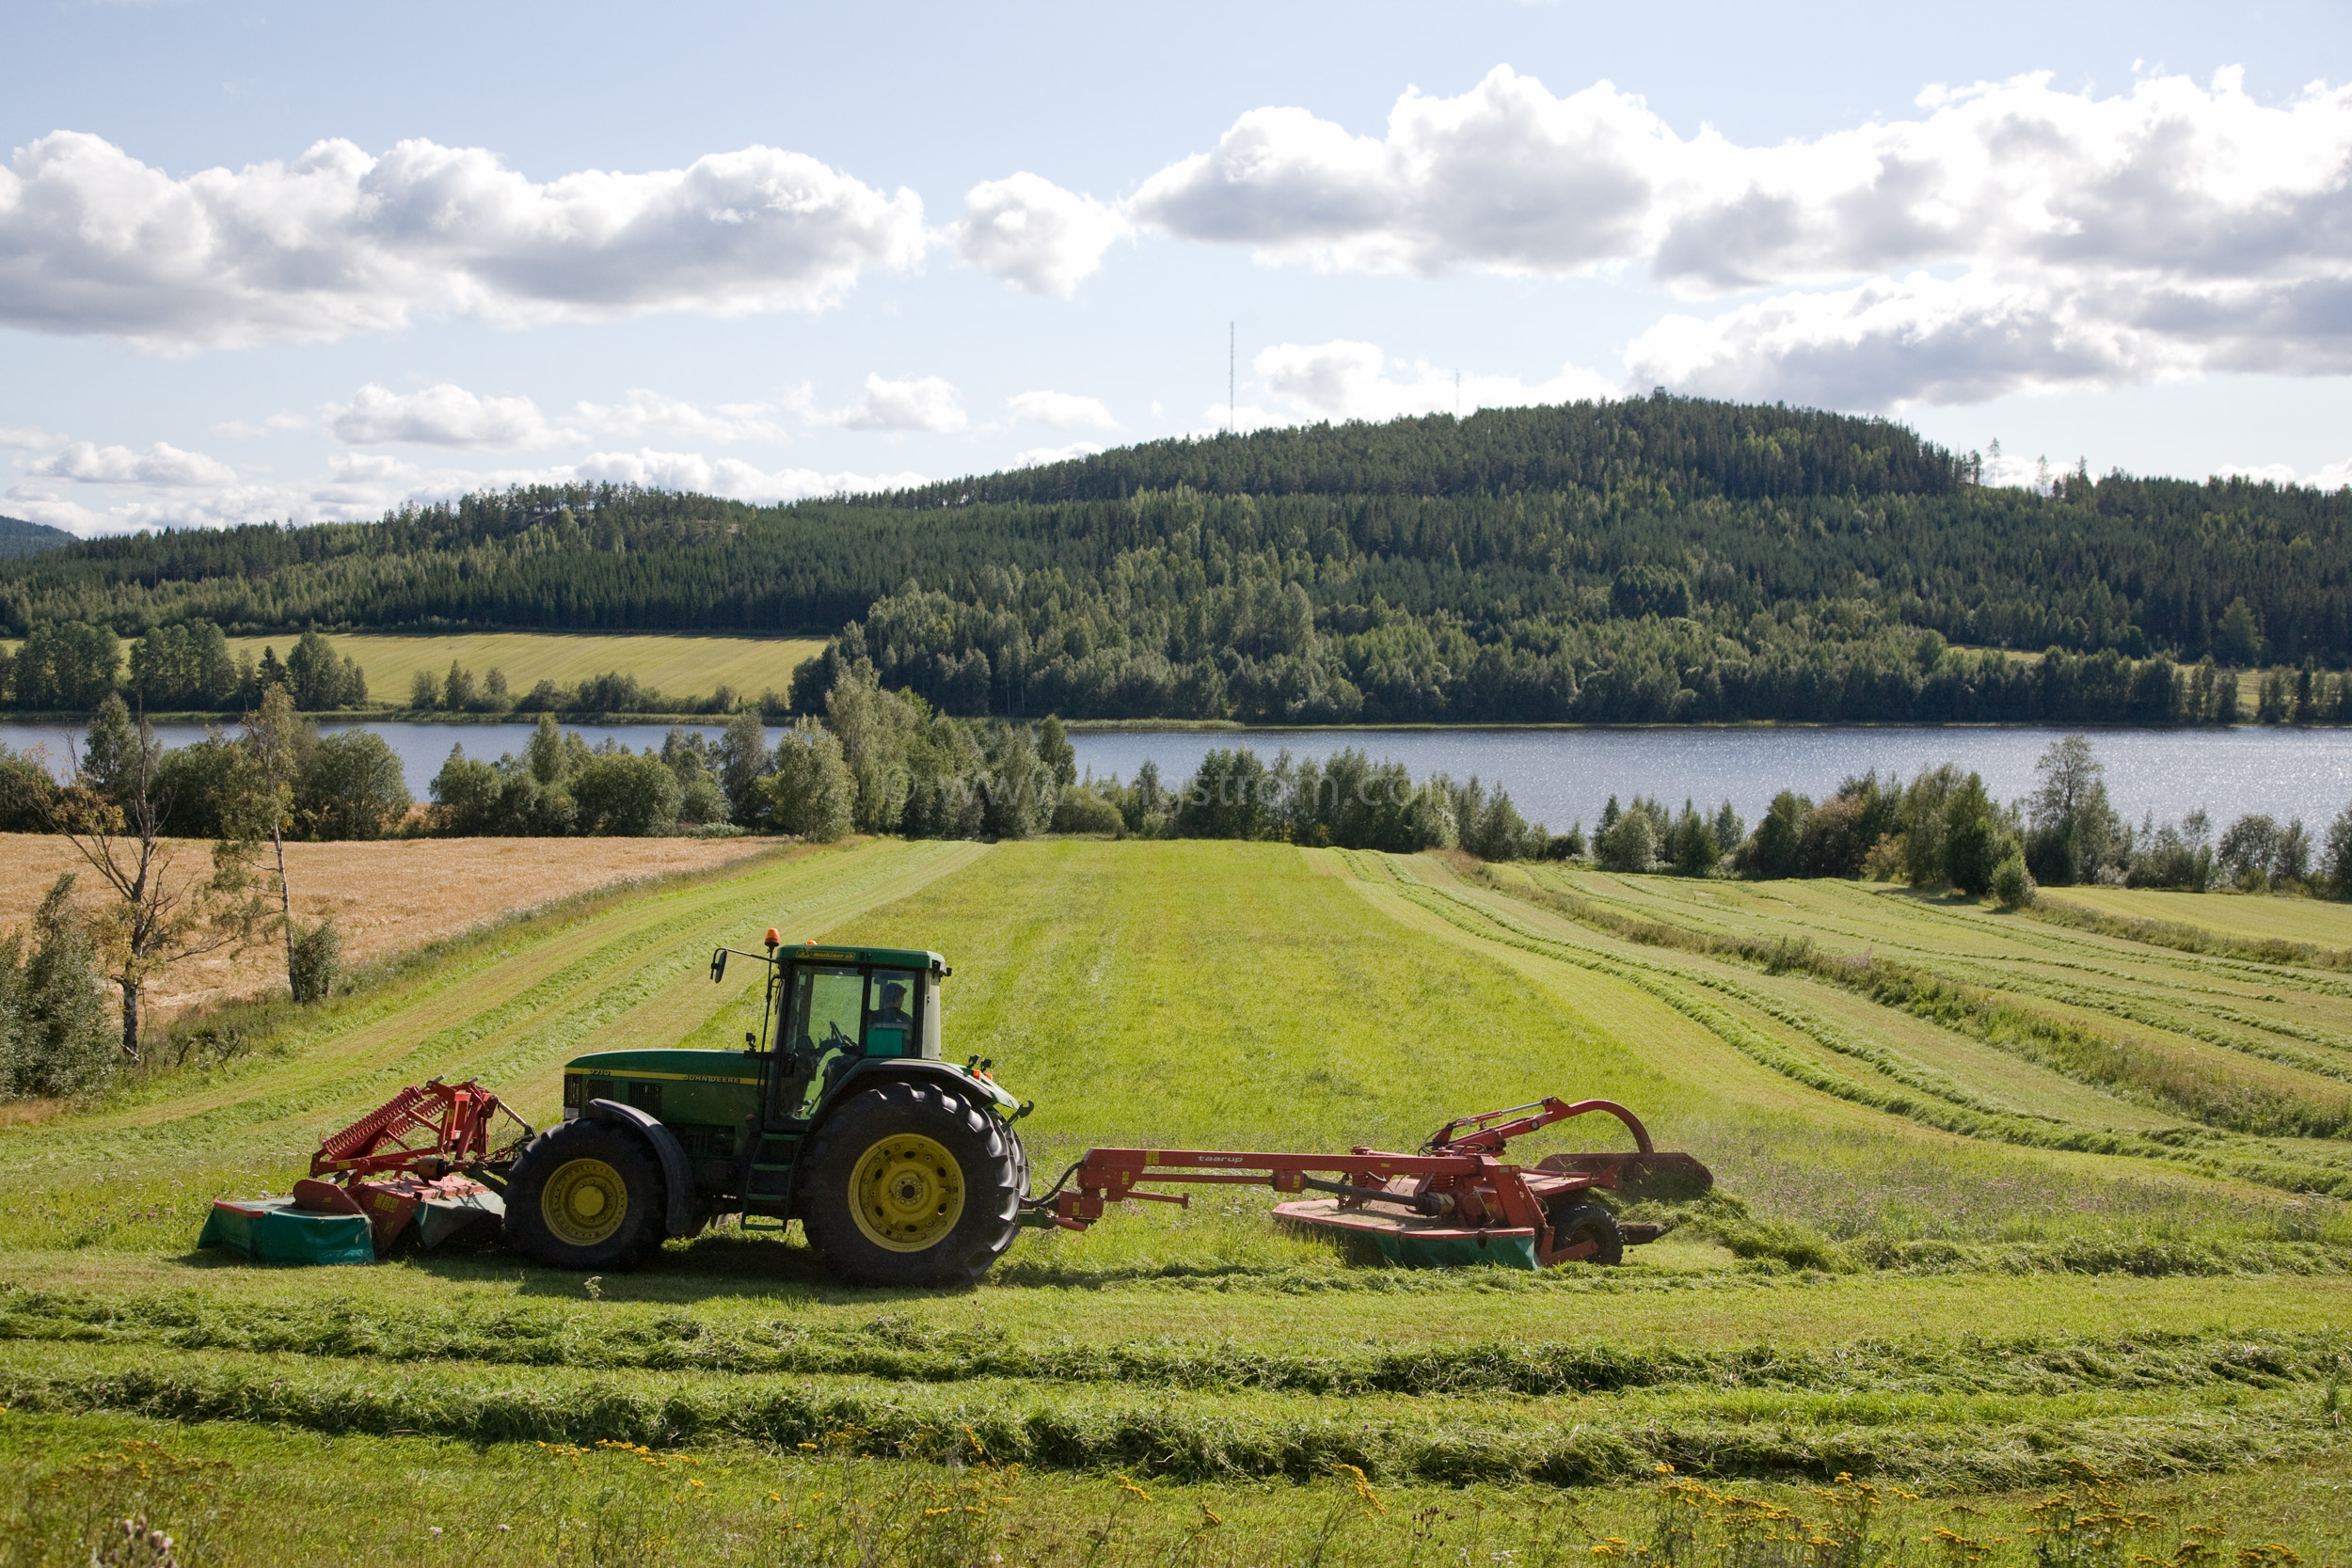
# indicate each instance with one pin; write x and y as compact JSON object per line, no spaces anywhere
{"x":585,"y":1196}
{"x":911,"y":1183}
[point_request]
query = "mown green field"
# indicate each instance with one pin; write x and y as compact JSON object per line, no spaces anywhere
{"x":2006,"y":1210}
{"x":2324,"y":922}
{"x":680,"y":666}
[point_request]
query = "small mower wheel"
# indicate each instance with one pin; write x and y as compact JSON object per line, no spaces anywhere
{"x":1589,"y":1222}
{"x":910,"y":1183}
{"x":584,"y":1196}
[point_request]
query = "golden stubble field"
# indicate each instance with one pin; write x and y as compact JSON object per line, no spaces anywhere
{"x":386,"y":896}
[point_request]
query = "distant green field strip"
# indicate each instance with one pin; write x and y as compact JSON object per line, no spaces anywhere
{"x":1955,"y":1441}
{"x":680,"y":665}
{"x":1922,"y":1105}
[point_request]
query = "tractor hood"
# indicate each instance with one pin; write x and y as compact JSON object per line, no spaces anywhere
{"x":716,"y":1086}
{"x":709,"y":1067}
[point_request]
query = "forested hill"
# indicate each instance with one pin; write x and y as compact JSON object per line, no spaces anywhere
{"x":1692,"y":451}
{"x":19,"y":538}
{"x":1658,"y":559}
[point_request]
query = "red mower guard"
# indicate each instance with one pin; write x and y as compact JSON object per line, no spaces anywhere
{"x":417,"y":1158}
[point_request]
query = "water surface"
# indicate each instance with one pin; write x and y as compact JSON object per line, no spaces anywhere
{"x":1564,"y":776}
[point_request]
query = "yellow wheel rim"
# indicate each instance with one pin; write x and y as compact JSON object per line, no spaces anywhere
{"x":907,"y":1192}
{"x":585,"y":1202}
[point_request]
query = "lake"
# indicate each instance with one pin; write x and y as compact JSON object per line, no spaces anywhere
{"x":1564,"y":776}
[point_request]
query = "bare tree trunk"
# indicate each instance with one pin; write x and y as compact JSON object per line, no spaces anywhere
{"x":285,"y":910}
{"x":130,"y":1017}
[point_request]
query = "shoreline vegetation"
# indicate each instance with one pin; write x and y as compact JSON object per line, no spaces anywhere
{"x":189,"y":675}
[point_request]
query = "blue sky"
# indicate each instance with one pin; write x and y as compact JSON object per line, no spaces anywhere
{"x":276,"y":262}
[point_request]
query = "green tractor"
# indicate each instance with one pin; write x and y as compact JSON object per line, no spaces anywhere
{"x":902,"y":1168}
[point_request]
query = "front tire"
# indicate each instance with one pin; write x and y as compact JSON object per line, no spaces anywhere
{"x":911,"y":1183}
{"x":585,"y":1196}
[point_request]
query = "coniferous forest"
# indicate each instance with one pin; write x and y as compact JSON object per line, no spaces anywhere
{"x":1661,"y":559}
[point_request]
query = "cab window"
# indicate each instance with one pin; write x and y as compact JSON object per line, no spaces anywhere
{"x":890,"y":1024}
{"x":824,"y":1012}
{"x":823,"y":1021}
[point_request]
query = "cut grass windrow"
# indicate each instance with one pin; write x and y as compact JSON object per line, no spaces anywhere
{"x":901,"y":1348}
{"x":2195,"y":1147}
{"x":2186,"y":938}
{"x":1948,"y":1443}
{"x":2208,"y":1095}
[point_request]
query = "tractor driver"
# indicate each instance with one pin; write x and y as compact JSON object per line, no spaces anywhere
{"x":892,"y":1010}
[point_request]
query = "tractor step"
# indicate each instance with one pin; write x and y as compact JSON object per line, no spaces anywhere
{"x":767,"y":1182}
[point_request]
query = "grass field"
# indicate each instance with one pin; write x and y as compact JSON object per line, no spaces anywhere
{"x":678,"y":666}
{"x":2004,"y":1207}
{"x":2322,"y":922}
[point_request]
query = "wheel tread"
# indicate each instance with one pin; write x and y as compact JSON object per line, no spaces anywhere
{"x":1005,"y":1173}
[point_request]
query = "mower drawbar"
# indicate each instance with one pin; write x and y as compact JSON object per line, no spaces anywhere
{"x":1454,"y":1202}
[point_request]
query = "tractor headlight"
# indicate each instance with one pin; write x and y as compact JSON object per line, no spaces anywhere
{"x":571,"y":1096}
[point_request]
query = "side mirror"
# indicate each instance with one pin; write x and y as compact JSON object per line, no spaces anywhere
{"x":718,"y":966}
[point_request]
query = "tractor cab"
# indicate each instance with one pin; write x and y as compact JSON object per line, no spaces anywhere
{"x":839,"y":1007}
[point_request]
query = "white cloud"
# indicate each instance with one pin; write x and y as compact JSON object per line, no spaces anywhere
{"x":246,"y":430}
{"x":1931,"y":340}
{"x":27,"y":438}
{"x":2201,"y":182}
{"x":1036,"y":235}
{"x":727,"y":476}
{"x":1039,"y":457}
{"x":442,"y":416}
{"x":1346,"y":380}
{"x":1506,"y":176}
{"x":1061,"y":411}
{"x":36,"y":505}
{"x":362,"y":486}
{"x":162,"y":466}
{"x":926,"y":403}
{"x":449,"y":416}
{"x":2011,"y":237}
{"x":2333,"y":476}
{"x":341,"y":241}
{"x":642,"y":412}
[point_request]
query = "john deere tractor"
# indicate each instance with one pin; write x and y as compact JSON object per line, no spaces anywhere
{"x":902,"y":1168}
